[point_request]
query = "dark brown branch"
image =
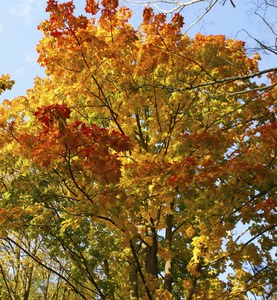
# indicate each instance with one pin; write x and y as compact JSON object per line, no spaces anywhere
{"x":224,"y":80}
{"x":142,"y":140}
{"x":230,"y":1}
{"x":80,"y":256}
{"x":5,"y":280}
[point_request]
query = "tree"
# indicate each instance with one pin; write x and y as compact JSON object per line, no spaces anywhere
{"x":22,"y":277}
{"x":141,"y":153}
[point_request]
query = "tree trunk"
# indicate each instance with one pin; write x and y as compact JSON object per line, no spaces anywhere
{"x":151,"y":256}
{"x":28,"y":282}
{"x":133,"y":282}
{"x":168,"y":264}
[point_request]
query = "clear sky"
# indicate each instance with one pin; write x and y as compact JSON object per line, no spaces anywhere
{"x":19,"y":35}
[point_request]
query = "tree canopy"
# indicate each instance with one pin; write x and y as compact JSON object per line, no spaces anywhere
{"x":143,"y":166}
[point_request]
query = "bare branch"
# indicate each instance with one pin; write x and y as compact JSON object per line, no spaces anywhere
{"x":208,"y":8}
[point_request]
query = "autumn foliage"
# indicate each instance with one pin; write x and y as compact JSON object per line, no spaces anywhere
{"x":143,"y":165}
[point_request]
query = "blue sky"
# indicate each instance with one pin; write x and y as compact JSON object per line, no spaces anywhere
{"x":19,"y":35}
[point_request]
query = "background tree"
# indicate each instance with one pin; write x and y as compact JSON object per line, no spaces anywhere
{"x":24,"y":278}
{"x":140,"y":154}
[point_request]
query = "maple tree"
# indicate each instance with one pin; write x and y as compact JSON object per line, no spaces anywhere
{"x":138,"y":157}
